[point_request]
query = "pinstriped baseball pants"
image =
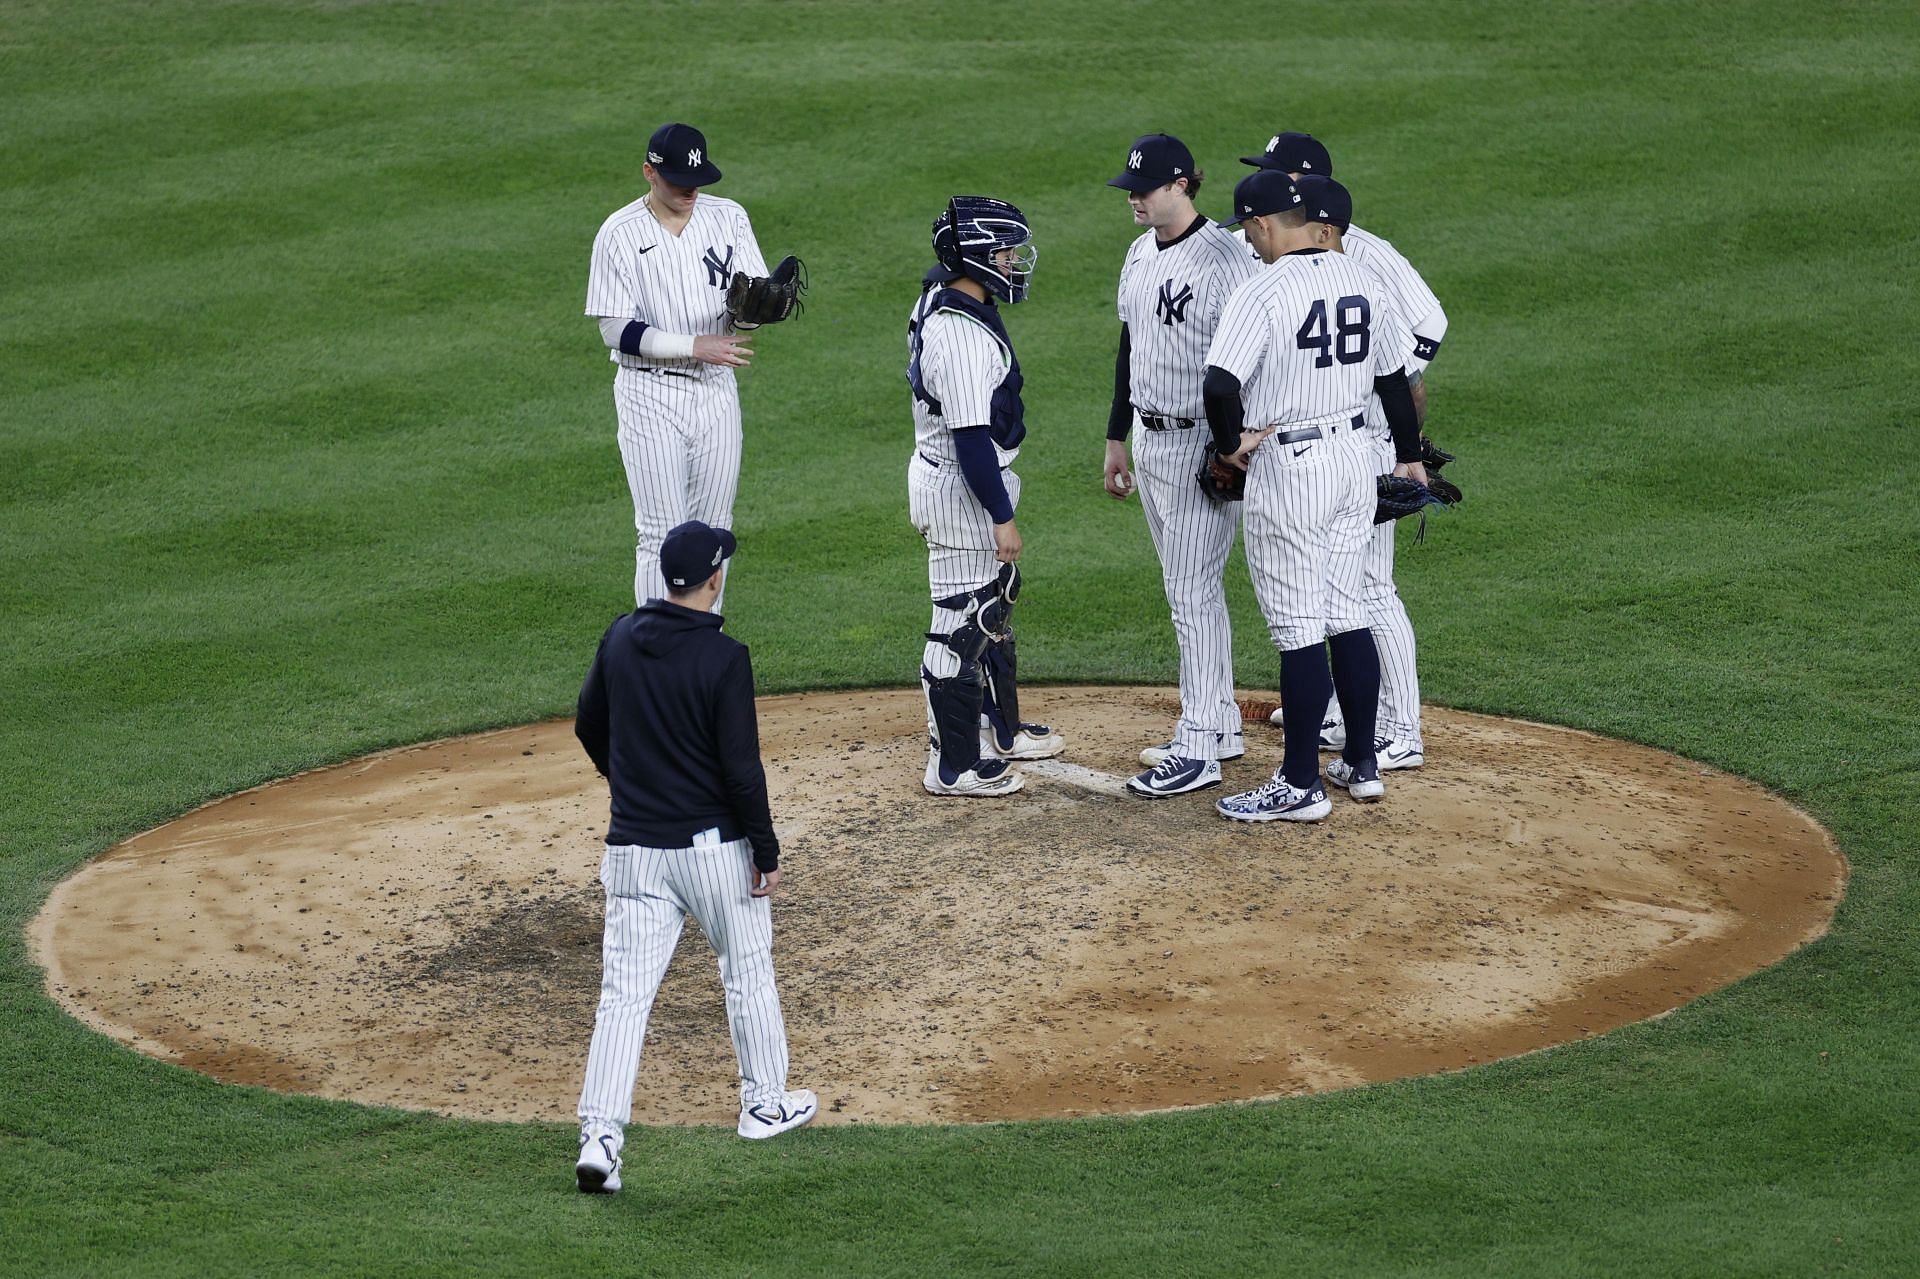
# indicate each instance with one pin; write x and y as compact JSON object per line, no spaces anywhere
{"x":1193,"y":536}
{"x":650,"y":892}
{"x":680,"y":443}
{"x":959,"y":537}
{"x":1309,"y":523}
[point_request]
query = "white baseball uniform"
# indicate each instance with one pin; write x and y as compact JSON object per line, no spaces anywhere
{"x":679,"y":418}
{"x":1306,"y":337}
{"x":962,"y":363}
{"x":1386,"y":614}
{"x":1170,"y":297}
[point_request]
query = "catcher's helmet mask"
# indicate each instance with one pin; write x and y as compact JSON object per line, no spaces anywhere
{"x":974,"y":232}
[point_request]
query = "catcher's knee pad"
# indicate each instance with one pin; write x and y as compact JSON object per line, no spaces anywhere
{"x":989,"y":613}
{"x":953,"y":707}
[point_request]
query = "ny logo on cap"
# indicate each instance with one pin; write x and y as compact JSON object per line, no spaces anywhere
{"x":716,"y":557}
{"x":1133,"y":159}
{"x":693,"y":158}
{"x":1273,"y":143}
{"x":654,"y":157}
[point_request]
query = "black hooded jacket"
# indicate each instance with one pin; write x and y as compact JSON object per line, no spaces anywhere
{"x":667,"y":717}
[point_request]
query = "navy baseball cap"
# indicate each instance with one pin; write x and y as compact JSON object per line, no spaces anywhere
{"x":1268,"y":191}
{"x":678,"y":153}
{"x":691,"y":553}
{"x":1300,"y":153}
{"x":1154,"y":160}
{"x":1324,"y":200}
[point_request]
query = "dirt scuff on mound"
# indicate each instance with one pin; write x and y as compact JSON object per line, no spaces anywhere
{"x":422,"y":927}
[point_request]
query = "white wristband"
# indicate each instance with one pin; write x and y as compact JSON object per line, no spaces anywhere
{"x":666,"y":346}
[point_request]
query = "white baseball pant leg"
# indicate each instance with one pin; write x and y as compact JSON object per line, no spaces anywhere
{"x":1192,"y":536}
{"x":650,"y":891}
{"x":680,"y":442}
{"x":1392,"y":628}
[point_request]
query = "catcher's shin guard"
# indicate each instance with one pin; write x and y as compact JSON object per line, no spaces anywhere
{"x":1000,"y":691}
{"x":954,"y":708}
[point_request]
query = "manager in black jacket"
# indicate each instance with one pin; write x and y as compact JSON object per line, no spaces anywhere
{"x":667,"y":716}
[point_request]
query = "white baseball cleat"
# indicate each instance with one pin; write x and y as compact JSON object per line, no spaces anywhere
{"x":1362,"y":781}
{"x":988,"y":777}
{"x":597,"y":1171}
{"x":1277,"y":801}
{"x":1232,"y":746}
{"x":1030,"y":741}
{"x":1176,"y":776}
{"x":1394,"y":753}
{"x":771,"y":1118}
{"x":1333,"y":731}
{"x":1333,"y":734}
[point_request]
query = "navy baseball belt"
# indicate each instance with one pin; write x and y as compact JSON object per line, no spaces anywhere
{"x":930,"y":462}
{"x":1357,"y":421}
{"x":1155,"y":422}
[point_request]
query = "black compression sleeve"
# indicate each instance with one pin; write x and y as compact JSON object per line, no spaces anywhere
{"x":1221,"y":394}
{"x":1120,"y":416}
{"x":1396,"y":397}
{"x":630,"y":337}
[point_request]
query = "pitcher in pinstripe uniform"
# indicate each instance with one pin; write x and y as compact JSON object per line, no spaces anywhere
{"x":968,"y":422}
{"x":1299,"y":349}
{"x":666,"y":715}
{"x":1400,"y":742}
{"x":1173,"y":284}
{"x":658,"y":286}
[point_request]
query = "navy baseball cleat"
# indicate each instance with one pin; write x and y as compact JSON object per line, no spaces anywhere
{"x":1276,"y":800}
{"x":1175,"y":775}
{"x":597,"y":1171}
{"x":771,"y":1118}
{"x":1362,"y":781}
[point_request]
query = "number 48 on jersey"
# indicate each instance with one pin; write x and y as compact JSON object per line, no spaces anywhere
{"x":1348,"y":340}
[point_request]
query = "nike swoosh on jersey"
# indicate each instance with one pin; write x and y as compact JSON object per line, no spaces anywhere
{"x":644,"y":251}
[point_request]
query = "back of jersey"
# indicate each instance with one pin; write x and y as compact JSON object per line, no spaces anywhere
{"x":1306,"y":337}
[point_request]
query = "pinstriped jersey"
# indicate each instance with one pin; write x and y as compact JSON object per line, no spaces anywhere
{"x":1170,"y":298}
{"x":677,"y":284}
{"x":960,"y":364}
{"x":1419,"y":308}
{"x":1306,"y":337}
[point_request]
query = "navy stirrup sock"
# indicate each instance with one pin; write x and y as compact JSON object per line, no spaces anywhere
{"x":1356,"y":678}
{"x":1305,"y":687}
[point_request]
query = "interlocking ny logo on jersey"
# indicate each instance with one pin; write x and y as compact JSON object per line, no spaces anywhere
{"x":719,"y":269}
{"x":1172,"y":307}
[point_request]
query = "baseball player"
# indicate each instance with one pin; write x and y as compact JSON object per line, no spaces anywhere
{"x":667,"y":716}
{"x":1303,"y":158}
{"x":1298,"y":350}
{"x":661,"y":270}
{"x":968,"y":422}
{"x":1175,"y":280}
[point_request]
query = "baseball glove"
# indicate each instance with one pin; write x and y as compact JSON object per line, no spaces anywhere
{"x":1434,"y":457}
{"x":768,"y":299}
{"x":1220,"y":479}
{"x":1398,"y":496}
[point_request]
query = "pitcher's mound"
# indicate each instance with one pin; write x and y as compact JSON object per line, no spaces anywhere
{"x":421,"y":928}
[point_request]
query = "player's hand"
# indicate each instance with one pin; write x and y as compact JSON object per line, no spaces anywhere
{"x":1006,"y":543}
{"x":727,"y":348}
{"x":764,"y":881}
{"x":1119,"y":478}
{"x":1416,"y":471}
{"x":1249,"y":441}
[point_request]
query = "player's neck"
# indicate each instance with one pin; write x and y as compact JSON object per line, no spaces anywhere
{"x":1177,"y":224}
{"x":671,"y":222}
{"x":971,"y":287}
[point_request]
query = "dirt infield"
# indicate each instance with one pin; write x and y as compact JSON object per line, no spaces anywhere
{"x":421,"y":927}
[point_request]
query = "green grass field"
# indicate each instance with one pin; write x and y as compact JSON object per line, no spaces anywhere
{"x":305,"y":450}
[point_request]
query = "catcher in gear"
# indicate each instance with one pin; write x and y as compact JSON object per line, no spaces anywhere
{"x":767,"y":299}
{"x":969,"y":422}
